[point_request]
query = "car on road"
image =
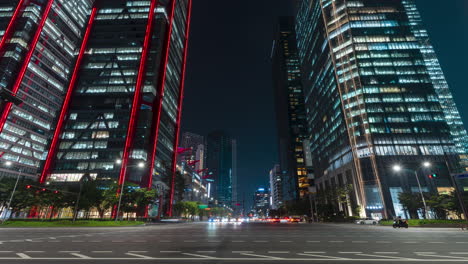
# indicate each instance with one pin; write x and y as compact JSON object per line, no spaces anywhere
{"x":367,"y":221}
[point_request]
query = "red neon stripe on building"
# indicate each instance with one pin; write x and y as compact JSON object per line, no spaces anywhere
{"x":24,"y":67}
{"x":136,"y":98}
{"x":66,"y":102}
{"x":10,"y":27}
{"x":179,"y":109}
{"x":159,"y":95}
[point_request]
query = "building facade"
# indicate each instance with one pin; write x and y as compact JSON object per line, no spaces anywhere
{"x":261,"y":202}
{"x":194,"y":149}
{"x":39,"y":44}
{"x":375,"y":97}
{"x":290,"y":110}
{"x":220,"y":161}
{"x":123,"y":105}
{"x":276,"y":189}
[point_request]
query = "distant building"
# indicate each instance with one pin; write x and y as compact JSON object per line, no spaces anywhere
{"x":220,"y":161}
{"x":198,"y":149}
{"x":375,"y":96}
{"x":276,"y":187}
{"x":261,"y":201}
{"x":290,"y":110}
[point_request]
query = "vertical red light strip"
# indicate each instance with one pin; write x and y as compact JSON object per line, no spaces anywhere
{"x":24,"y":67}
{"x":157,"y":105}
{"x":66,"y":102}
{"x":10,"y":27}
{"x":179,"y":109}
{"x":136,"y":98}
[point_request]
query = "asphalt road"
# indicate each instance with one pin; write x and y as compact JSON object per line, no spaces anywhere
{"x":233,"y":243}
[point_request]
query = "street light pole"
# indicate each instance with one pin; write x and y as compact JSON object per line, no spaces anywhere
{"x":422,"y":195}
{"x":120,"y":200}
{"x":13,"y":193}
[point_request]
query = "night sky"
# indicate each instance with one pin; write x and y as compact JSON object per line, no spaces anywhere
{"x":229,"y":83}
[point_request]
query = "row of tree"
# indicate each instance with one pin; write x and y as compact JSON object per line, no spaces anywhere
{"x":90,"y":196}
{"x":440,"y":204}
{"x":190,"y":210}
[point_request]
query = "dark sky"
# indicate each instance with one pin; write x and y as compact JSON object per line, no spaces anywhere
{"x":229,"y":83}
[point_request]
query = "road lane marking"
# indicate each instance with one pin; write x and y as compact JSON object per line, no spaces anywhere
{"x":278,"y":252}
{"x":34,"y":251}
{"x":459,"y":253}
{"x":461,"y":242}
{"x":381,"y":256}
{"x":23,"y":256}
{"x":80,"y":256}
{"x":242,"y":252}
{"x":315,"y":252}
{"x":260,"y":256}
{"x":321,"y":256}
{"x":425,"y":252}
{"x":350,"y":252}
{"x":138,"y":255}
{"x":6,"y":251}
{"x":169,"y":251}
{"x":437,"y":242}
{"x":441,"y":256}
{"x":387,"y":252}
{"x":197,"y":255}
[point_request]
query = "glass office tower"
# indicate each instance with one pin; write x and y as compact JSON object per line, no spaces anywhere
{"x":124,"y":105}
{"x":38,"y":48}
{"x":290,"y":110}
{"x":375,"y":97}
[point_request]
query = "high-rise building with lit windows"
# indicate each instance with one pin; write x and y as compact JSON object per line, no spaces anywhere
{"x":375,"y":97}
{"x":124,"y":99}
{"x":290,"y":110}
{"x":39,"y":44}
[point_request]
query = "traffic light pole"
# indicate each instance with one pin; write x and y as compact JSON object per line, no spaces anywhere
{"x":422,"y":195}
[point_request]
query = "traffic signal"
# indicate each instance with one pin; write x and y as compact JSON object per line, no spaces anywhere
{"x":28,"y":186}
{"x":433,"y":176}
{"x":56,"y":192}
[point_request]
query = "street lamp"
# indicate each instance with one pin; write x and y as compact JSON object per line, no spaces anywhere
{"x":119,"y":161}
{"x":426,"y":164}
{"x":9,"y":164}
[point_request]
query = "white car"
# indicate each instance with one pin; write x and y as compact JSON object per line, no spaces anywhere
{"x":367,"y":221}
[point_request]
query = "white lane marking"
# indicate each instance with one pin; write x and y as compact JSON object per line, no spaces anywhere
{"x":441,"y":256}
{"x":278,"y":252}
{"x":242,"y":252}
{"x":80,"y":256}
{"x":169,"y":251}
{"x":461,"y":242}
{"x":7,"y":251}
{"x":197,"y":255}
{"x":138,"y":255}
{"x":381,"y":256}
{"x":387,"y":252}
{"x":436,"y":242}
{"x":429,"y":252}
{"x":23,"y":256}
{"x":315,"y":252}
{"x":321,"y":256}
{"x":459,"y":253}
{"x":350,"y":252}
{"x":410,"y":242}
{"x":260,"y":256}
{"x":34,"y":251}
{"x":52,"y":238}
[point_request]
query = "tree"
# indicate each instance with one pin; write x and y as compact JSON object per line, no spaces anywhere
{"x":439,"y":205}
{"x":454,"y":204}
{"x":411,"y":203}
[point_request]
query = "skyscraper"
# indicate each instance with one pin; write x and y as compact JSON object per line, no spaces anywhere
{"x":290,"y":110}
{"x":375,"y":97}
{"x":38,"y":48}
{"x":123,"y":103}
{"x":221,"y":149}
{"x":198,"y":150}
{"x":276,"y":189}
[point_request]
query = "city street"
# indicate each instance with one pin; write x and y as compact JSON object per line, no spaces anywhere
{"x":234,"y":243}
